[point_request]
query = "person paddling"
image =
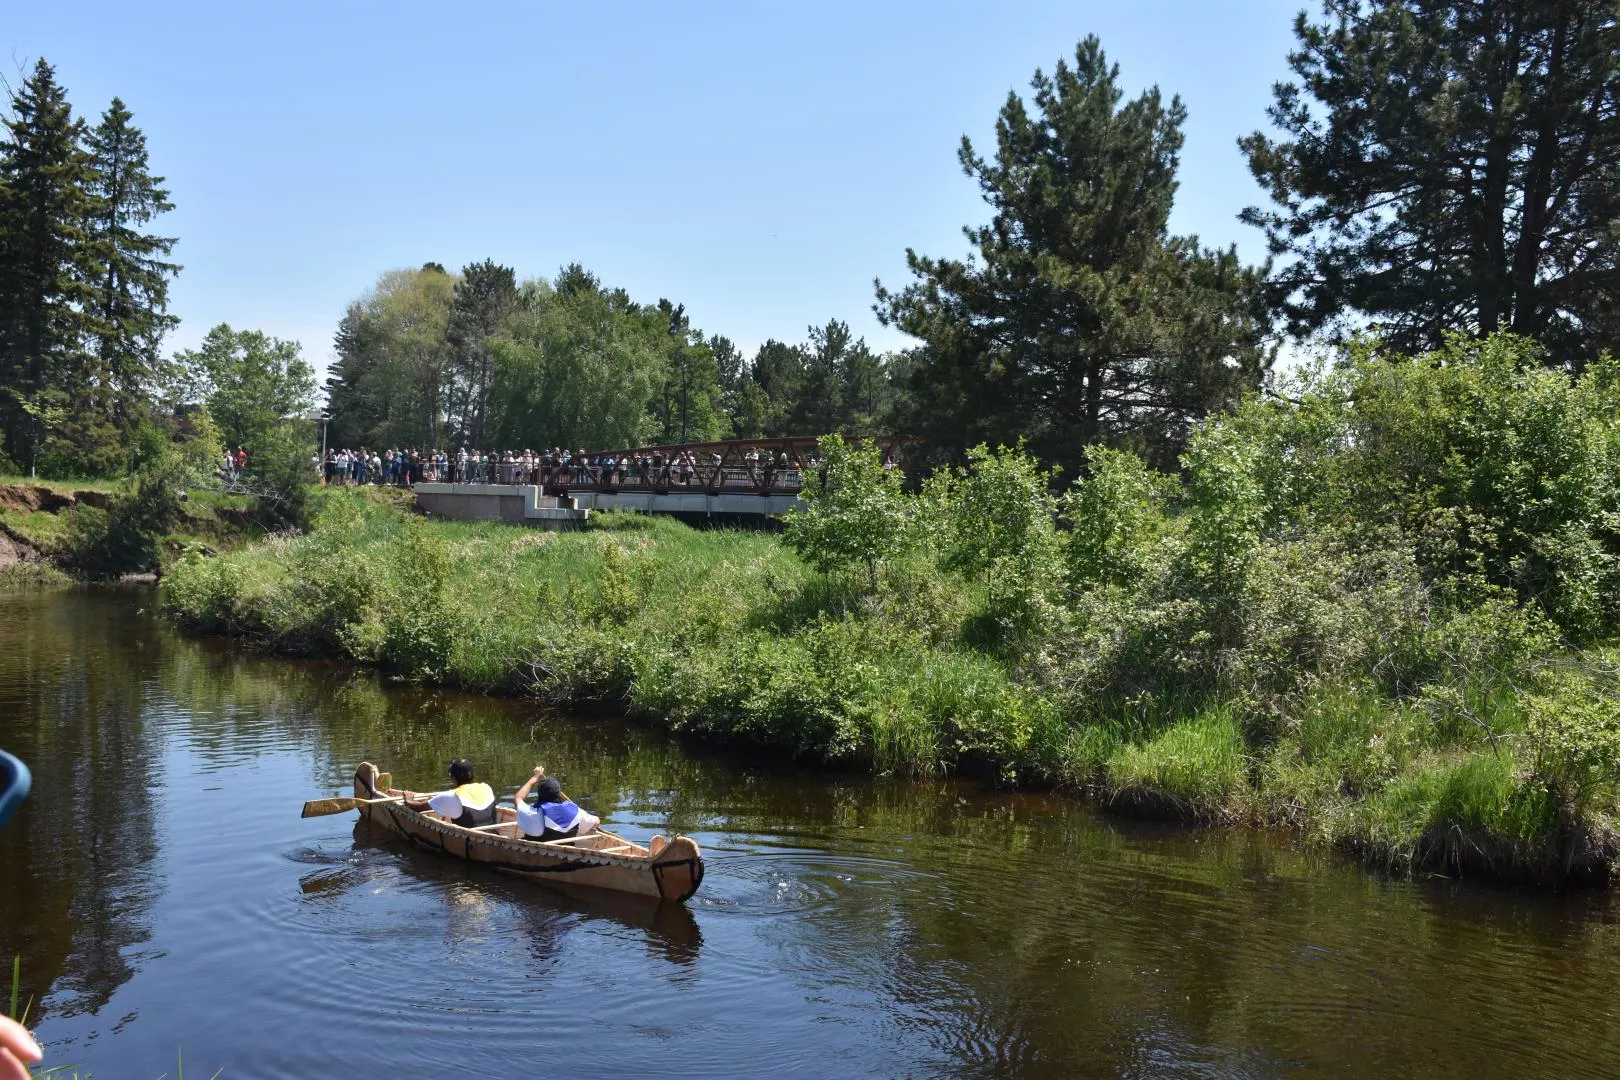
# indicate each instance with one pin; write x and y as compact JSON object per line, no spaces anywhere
{"x":469,"y":803}
{"x":554,"y":816}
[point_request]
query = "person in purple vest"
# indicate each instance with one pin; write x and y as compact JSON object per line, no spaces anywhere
{"x":554,"y":816}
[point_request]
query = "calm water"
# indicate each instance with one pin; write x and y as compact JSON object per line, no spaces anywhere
{"x":164,"y":894}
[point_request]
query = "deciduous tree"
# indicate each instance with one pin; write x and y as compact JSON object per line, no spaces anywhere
{"x":251,"y":383}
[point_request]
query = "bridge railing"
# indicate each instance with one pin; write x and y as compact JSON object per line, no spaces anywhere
{"x":739,"y":466}
{"x":560,"y":479}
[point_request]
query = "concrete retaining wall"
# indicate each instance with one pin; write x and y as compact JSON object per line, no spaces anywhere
{"x":517,"y":504}
{"x":688,"y":502}
{"x":523,"y":504}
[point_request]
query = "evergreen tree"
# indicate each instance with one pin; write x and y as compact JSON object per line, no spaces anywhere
{"x":1082,"y":319}
{"x":1449,"y":164}
{"x":129,"y":310}
{"x":862,"y":389}
{"x":777,"y":376}
{"x":820,"y":407}
{"x":358,"y":411}
{"x":485,"y":298}
{"x":731,"y":372}
{"x":45,"y":265}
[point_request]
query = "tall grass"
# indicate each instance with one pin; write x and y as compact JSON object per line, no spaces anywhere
{"x":1195,"y":767}
{"x":1478,"y":812}
{"x":723,"y":634}
{"x":730,"y":636}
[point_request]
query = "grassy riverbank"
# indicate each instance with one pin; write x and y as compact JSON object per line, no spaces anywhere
{"x":731,"y":636}
{"x":1379,"y":608}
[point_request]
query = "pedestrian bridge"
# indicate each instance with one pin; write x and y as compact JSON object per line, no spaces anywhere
{"x":745,"y":480}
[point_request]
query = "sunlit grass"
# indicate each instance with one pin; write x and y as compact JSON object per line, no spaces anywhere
{"x":1198,"y":764}
{"x":729,"y":636}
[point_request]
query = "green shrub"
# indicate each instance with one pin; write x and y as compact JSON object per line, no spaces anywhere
{"x":1118,"y":521}
{"x":855,"y":516}
{"x":1319,"y":607}
{"x":1495,"y":465}
{"x":124,"y":538}
{"x":995,"y":520}
{"x":1573,"y":737}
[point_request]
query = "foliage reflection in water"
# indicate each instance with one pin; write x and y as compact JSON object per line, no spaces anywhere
{"x":162,"y":891}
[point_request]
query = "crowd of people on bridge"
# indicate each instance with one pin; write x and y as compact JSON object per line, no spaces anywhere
{"x":398,"y":467}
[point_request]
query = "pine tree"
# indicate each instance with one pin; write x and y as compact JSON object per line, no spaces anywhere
{"x":485,"y":298}
{"x":45,"y":265}
{"x":1449,"y":165}
{"x":820,"y":408}
{"x":1082,"y":319}
{"x":129,"y":311}
{"x":777,"y":377}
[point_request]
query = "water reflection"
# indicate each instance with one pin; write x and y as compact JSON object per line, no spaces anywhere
{"x":77,"y":859}
{"x":671,"y":929}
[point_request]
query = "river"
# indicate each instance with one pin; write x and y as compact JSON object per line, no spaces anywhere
{"x":166,"y":898}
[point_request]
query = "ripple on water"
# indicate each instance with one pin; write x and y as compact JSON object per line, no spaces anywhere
{"x":773,"y":882}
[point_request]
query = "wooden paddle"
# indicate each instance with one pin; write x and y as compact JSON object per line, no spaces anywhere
{"x":322,"y":807}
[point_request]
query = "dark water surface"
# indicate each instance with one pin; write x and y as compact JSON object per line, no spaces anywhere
{"x":163,"y":893}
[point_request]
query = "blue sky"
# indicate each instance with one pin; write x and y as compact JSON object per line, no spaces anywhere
{"x":760,"y":163}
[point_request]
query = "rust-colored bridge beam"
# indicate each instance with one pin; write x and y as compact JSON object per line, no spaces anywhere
{"x":777,"y":466}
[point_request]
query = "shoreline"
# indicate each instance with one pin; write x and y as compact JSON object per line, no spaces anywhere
{"x":725,"y":638}
{"x":1451,"y":855}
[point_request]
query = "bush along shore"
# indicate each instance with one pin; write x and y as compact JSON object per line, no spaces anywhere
{"x":1377,"y":605}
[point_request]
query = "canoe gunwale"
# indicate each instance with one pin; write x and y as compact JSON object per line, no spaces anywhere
{"x":493,"y":839}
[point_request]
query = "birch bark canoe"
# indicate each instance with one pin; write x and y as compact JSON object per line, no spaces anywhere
{"x":600,"y":860}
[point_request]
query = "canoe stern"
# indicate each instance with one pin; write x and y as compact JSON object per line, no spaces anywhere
{"x":678,"y":869}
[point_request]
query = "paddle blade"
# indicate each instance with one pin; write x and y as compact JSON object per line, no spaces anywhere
{"x":322,"y":807}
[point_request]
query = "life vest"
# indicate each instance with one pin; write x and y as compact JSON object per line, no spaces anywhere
{"x":477,"y":805}
{"x":562,"y":819}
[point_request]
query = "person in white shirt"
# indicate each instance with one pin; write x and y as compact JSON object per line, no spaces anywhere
{"x":554,"y":816}
{"x":468,"y":804}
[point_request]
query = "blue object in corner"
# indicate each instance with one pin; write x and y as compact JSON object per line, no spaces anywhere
{"x":14,"y":783}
